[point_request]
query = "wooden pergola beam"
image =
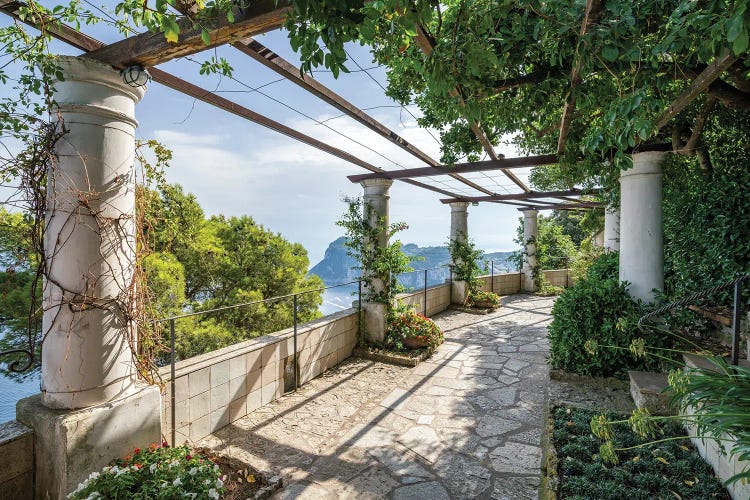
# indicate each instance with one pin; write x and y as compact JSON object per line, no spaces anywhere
{"x":566,"y":206}
{"x":592,"y":13}
{"x":282,"y":67}
{"x":520,"y":196}
{"x":698,"y":86}
{"x":87,"y":43}
{"x":427,"y":45}
{"x":149,"y":49}
{"x":461,"y":168}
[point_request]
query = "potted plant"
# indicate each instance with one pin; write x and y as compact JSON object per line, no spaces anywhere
{"x":414,"y":330}
{"x":483,"y":300}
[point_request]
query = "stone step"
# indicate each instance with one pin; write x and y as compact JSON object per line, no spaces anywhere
{"x":649,"y":391}
{"x":697,"y":361}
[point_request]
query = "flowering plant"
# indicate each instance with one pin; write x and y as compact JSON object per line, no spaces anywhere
{"x":154,"y":473}
{"x":484,"y":298}
{"x":410,"y":325}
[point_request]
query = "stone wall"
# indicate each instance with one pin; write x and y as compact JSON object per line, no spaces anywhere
{"x":214,"y":389}
{"x":723,"y":466}
{"x":558,"y":277}
{"x":503,"y":284}
{"x":16,"y":461}
{"x":438,"y":299}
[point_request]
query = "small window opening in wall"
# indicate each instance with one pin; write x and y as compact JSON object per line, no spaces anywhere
{"x":289,"y":368}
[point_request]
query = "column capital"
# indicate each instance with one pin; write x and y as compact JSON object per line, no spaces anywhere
{"x":528,"y":212}
{"x":646,"y":163}
{"x":459,"y":206}
{"x":97,"y":89}
{"x":376,"y":186}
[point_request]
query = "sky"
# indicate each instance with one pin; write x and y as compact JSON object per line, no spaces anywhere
{"x":235,"y":166}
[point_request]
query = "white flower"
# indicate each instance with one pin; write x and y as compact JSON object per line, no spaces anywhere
{"x":212,"y":493}
{"x":219,"y":483}
{"x":152,"y":468}
{"x":177,"y":482}
{"x":190,"y":495}
{"x":93,"y":476}
{"x":216,"y":468}
{"x":94,"y":496}
{"x":193,"y":471}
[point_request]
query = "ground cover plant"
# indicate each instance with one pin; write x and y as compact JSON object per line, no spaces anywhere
{"x":664,"y":470}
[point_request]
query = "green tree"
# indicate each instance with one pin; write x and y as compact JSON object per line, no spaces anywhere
{"x":554,"y":247}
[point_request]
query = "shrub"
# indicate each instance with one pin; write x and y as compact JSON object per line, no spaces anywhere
{"x":407,"y":324}
{"x":598,"y":311}
{"x":154,"y":473}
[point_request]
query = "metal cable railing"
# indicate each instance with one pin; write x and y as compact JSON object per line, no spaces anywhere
{"x":271,"y":300}
{"x":703,"y":294}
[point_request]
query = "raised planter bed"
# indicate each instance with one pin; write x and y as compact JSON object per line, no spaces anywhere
{"x":243,"y":481}
{"x":410,"y":358}
{"x":572,"y":467}
{"x":473,"y":310}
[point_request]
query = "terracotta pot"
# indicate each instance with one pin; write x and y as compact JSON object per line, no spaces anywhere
{"x":416,"y":342}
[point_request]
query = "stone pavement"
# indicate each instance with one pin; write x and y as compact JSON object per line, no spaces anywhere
{"x":464,"y":424}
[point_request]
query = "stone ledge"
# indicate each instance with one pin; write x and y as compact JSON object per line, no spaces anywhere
{"x":392,"y":358}
{"x":607,"y":382}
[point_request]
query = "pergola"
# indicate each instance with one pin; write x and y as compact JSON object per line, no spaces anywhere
{"x":96,"y":373}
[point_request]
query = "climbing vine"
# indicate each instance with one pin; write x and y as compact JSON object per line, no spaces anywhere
{"x":379,"y":265}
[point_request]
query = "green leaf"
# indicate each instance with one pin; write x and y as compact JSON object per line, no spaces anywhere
{"x":740,"y":43}
{"x":610,"y":53}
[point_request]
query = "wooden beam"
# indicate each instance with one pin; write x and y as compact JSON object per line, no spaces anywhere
{"x":86,"y":43}
{"x":591,"y":15}
{"x":280,"y":66}
{"x":698,"y":86}
{"x":461,"y":168}
{"x":520,"y":196}
{"x":427,"y":45}
{"x":567,"y":206}
{"x":149,"y":49}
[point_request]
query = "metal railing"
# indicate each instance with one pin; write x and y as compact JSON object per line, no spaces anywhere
{"x":280,"y":298}
{"x":695,"y":297}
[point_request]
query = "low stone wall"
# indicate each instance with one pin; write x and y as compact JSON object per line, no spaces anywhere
{"x":16,"y":461}
{"x":214,"y":389}
{"x":503,"y":284}
{"x":558,"y":277}
{"x":438,"y":299}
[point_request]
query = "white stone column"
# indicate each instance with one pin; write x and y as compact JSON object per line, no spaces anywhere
{"x":460,"y":233}
{"x":530,"y":260}
{"x":376,"y":203}
{"x":612,"y":229}
{"x":91,"y":410}
{"x":86,"y":358}
{"x":641,"y":237}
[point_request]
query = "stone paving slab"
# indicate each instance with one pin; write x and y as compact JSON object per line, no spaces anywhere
{"x":465,"y":424}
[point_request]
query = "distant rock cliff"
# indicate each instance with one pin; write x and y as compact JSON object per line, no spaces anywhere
{"x":338,"y":267}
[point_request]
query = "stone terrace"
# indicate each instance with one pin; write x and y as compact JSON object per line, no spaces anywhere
{"x":466,"y":423}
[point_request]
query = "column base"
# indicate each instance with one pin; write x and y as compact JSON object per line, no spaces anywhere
{"x":528,"y":281}
{"x":71,"y":444}
{"x":375,"y":321}
{"x":459,"y":292}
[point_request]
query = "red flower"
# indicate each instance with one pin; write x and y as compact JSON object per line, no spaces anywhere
{"x":137,"y":451}
{"x":138,"y":466}
{"x":189,"y":457}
